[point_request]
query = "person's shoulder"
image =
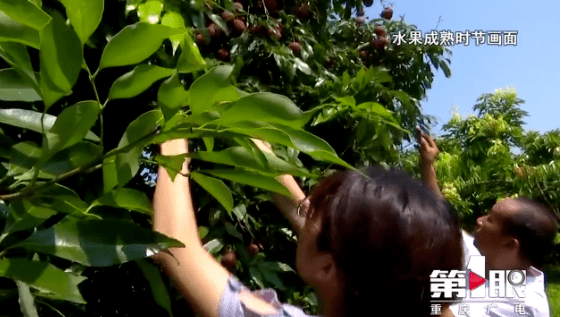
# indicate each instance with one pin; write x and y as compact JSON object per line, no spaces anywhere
{"x":238,"y":300}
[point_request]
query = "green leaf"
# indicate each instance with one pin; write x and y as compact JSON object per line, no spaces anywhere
{"x":60,"y":198}
{"x":127,"y":163}
{"x":81,"y":241}
{"x":380,"y":75}
{"x":71,"y":126}
{"x":190,"y":60}
{"x":231,"y":230}
{"x":216,"y":188}
{"x":287,"y":136}
{"x":141,"y":127}
{"x":302,"y":66}
{"x":24,"y":215}
{"x":135,"y":43}
{"x":445,"y":69}
{"x":23,"y":156}
{"x":220,"y":22}
{"x":15,"y":88}
{"x":158,"y":288}
{"x":26,"y":13}
{"x":17,"y":56}
{"x":60,"y":58}
{"x":175,"y":21}
{"x":240,"y":212}
{"x":377,"y":109}
{"x":213,"y":246}
{"x":84,"y":15}
{"x":109,"y":171}
{"x":44,"y":276}
{"x":211,"y":88}
{"x":80,"y":154}
{"x":256,"y":276}
{"x":202,"y":231}
{"x":171,"y":96}
{"x":13,"y":31}
{"x":265,"y":106}
{"x":27,"y":304}
{"x":172,"y":164}
{"x":31,"y":120}
{"x":209,"y":143}
{"x":271,"y":276}
{"x":136,"y":81}
{"x":150,"y":11}
{"x":249,"y":178}
{"x":125,"y":198}
{"x":240,"y":157}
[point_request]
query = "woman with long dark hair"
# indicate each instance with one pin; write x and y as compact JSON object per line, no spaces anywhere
{"x":367,"y":243}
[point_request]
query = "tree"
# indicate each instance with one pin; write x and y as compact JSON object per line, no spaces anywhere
{"x":489,"y":156}
{"x":84,"y":103}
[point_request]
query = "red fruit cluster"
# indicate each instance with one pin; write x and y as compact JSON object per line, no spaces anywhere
{"x":360,"y":20}
{"x":252,"y":249}
{"x":380,"y":41}
{"x":229,"y":260}
{"x":387,"y":13}
{"x":295,"y":47}
{"x":303,"y":12}
{"x":272,"y":7}
{"x":217,"y":40}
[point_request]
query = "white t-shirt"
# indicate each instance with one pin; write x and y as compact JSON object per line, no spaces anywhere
{"x":535,"y":303}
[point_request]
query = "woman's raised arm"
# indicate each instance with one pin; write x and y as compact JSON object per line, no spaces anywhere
{"x":198,"y":276}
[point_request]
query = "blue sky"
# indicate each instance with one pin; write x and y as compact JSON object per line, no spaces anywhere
{"x":532,"y":67}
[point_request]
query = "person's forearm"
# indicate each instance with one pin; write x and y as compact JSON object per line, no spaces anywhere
{"x":428,"y":175}
{"x":287,"y":205}
{"x":173,"y":207}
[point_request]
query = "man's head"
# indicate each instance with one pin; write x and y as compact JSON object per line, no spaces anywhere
{"x":515,"y":234}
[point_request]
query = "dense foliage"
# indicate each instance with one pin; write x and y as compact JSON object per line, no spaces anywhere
{"x":489,"y":156}
{"x":89,"y":87}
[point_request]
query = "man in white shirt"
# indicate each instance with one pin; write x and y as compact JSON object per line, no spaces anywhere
{"x":514,"y":235}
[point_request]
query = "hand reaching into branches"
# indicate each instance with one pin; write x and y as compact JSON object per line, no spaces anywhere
{"x":428,"y":152}
{"x":427,"y":147}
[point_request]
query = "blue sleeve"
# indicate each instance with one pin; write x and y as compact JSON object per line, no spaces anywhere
{"x":231,"y":306}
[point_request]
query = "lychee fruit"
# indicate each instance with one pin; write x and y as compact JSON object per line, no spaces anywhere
{"x":380,"y":31}
{"x":295,"y":47}
{"x":227,"y":16}
{"x":360,"y":21}
{"x":387,"y":13}
{"x":224,"y":55}
{"x":303,"y":12}
{"x":238,"y":6}
{"x":200,"y":39}
{"x":252,"y":249}
{"x":229,"y":260}
{"x":271,"y":6}
{"x":239,"y":26}
{"x":379,"y":43}
{"x":275,"y":32}
{"x":213,"y":30}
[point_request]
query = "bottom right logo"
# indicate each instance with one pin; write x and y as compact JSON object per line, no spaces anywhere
{"x":474,"y":288}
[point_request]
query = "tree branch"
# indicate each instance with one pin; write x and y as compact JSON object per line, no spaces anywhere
{"x":28,"y":191}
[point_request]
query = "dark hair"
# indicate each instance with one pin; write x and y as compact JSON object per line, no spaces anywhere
{"x":534,"y":227}
{"x":387,"y":233}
